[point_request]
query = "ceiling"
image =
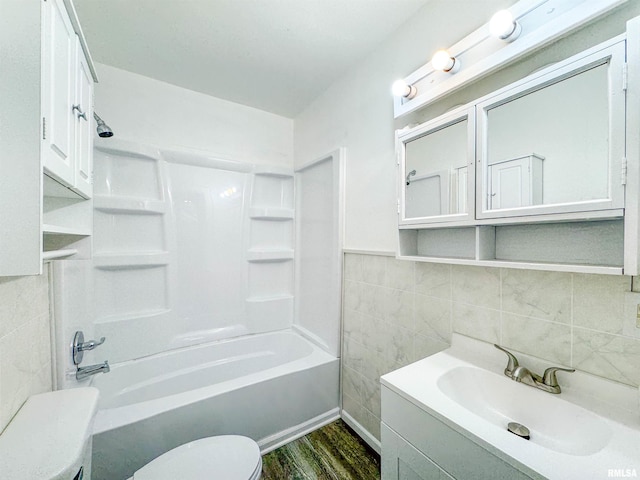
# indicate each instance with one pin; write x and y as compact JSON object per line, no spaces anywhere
{"x":275,"y":55}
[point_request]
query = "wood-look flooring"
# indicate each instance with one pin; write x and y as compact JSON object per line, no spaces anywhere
{"x":333,"y":452}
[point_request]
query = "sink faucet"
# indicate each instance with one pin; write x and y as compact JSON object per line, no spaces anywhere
{"x":86,"y":372}
{"x":547,"y":382}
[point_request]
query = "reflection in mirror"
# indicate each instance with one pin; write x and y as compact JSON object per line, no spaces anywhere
{"x":550,"y":146}
{"x":436,"y":178}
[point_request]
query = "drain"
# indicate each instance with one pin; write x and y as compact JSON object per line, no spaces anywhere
{"x":519,"y":430}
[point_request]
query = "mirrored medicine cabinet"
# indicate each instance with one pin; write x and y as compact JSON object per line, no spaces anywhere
{"x":532,"y":175}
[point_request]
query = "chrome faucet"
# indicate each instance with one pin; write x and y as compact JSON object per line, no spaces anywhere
{"x":547,"y":382}
{"x":86,"y":372}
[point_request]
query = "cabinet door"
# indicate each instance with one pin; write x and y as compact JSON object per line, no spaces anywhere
{"x":58,"y":92}
{"x":83,"y":122}
{"x":402,"y":461}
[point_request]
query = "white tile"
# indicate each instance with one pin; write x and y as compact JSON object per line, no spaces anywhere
{"x":399,"y":307}
{"x":399,"y":346}
{"x":353,"y":354}
{"x":371,"y":396}
{"x":352,"y":384}
{"x":533,"y":293}
{"x":400,"y":274}
{"x":353,"y":267}
{"x":374,"y":269}
{"x":477,"y":286}
{"x":610,"y":356}
{"x":433,"y":279}
{"x":352,"y":325}
{"x":540,"y":338}
{"x":433,"y":317}
{"x":476,"y":322}
{"x":352,"y":295}
{"x":372,"y":300}
{"x":598,"y":301}
{"x":426,"y":346}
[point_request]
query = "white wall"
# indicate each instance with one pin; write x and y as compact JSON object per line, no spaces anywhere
{"x":149,"y":111}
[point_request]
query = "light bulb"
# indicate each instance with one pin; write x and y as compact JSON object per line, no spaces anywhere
{"x":401,"y":89}
{"x":504,"y":26}
{"x":441,"y":60}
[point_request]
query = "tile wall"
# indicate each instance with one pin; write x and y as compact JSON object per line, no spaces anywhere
{"x":25,"y":344}
{"x":397,"y":311}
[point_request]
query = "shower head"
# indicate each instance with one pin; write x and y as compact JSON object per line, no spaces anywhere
{"x":103,"y":129}
{"x":409,"y":175}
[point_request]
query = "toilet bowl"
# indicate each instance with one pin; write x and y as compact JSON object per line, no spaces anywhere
{"x":50,"y":439}
{"x":228,"y":457}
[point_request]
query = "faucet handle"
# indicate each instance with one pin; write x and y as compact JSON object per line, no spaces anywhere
{"x":549,"y":376}
{"x":513,"y":361}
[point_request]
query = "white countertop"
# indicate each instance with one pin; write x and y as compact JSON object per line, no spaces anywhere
{"x":615,"y":404}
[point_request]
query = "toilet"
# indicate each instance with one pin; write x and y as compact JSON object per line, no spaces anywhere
{"x":50,"y":439}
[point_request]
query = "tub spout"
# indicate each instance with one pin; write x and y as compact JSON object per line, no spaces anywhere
{"x":86,"y":372}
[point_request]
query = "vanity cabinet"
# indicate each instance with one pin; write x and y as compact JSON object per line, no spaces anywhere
{"x":418,"y":446}
{"x":546,"y":184}
{"x":46,"y":144}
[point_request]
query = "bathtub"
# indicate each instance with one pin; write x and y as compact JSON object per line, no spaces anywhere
{"x":272,"y":387}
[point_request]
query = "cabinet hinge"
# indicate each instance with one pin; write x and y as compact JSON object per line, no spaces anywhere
{"x":398,"y":206}
{"x":44,"y":128}
{"x":624,"y":171}
{"x":625,"y":76}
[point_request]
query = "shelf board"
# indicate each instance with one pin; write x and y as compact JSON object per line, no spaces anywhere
{"x":271,"y":298}
{"x":49,"y":229}
{"x":118,"y":261}
{"x":54,"y":254}
{"x":271,"y":213}
{"x":157,"y":312}
{"x":273,"y":171}
{"x":119,"y":204}
{"x":554,"y":267}
{"x":261,"y":256}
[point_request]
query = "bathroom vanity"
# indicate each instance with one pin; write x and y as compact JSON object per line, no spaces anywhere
{"x":446,"y":417}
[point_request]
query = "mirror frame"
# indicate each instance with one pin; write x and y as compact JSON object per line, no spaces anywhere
{"x":611,"y":53}
{"x":457,"y":115}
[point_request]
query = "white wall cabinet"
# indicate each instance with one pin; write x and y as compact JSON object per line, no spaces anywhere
{"x":573,"y":205}
{"x":44,"y":75}
{"x":67,"y":102}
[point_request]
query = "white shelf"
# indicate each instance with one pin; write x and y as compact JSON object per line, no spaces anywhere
{"x":272,"y":298}
{"x":48,"y":229}
{"x":118,"y":261}
{"x":272,"y":171}
{"x":555,"y":267}
{"x":133,"y":316}
{"x":119,"y":204}
{"x":54,"y":254}
{"x":271,"y":213}
{"x":260,"y":256}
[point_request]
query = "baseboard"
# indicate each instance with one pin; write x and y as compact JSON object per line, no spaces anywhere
{"x":372,"y":441}
{"x":276,"y":440}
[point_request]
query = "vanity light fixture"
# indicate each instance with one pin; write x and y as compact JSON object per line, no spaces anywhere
{"x":504,"y":26}
{"x":401,"y":89}
{"x":442,"y":60}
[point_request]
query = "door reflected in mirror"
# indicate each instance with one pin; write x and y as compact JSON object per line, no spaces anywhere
{"x":436,"y":172}
{"x":550,"y":146}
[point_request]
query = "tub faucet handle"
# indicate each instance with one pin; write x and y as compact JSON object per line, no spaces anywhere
{"x":513,"y":361}
{"x":79,"y":346}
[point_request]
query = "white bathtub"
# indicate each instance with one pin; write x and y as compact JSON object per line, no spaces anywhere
{"x":271,"y":387}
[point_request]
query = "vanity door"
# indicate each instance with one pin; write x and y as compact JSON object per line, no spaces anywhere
{"x":436,"y":170}
{"x":553,"y":143}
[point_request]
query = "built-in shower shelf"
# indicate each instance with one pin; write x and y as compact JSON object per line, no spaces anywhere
{"x":269,"y":255}
{"x":272,"y":171}
{"x":121,"y":204}
{"x":49,"y":229}
{"x":54,"y":254}
{"x":270,"y":298}
{"x":120,"y":261}
{"x":140,"y":314}
{"x":270,"y":213}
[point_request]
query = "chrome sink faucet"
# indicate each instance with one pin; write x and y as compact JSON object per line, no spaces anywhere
{"x":547,"y":382}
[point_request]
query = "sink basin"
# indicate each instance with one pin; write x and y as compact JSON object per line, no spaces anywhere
{"x":553,"y":422}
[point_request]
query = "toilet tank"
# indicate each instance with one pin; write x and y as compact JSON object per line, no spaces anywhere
{"x":50,"y":437}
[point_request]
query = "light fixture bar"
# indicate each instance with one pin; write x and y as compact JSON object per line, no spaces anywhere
{"x":541,"y":22}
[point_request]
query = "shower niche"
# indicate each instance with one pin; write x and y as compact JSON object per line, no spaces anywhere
{"x":270,"y":250}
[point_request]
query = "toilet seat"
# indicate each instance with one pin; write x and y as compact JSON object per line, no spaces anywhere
{"x":228,"y":457}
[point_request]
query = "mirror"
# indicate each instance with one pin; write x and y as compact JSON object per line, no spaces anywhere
{"x":549,"y":146}
{"x":435,"y":174}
